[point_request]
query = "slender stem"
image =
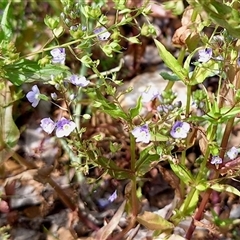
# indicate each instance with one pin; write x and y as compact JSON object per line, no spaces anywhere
{"x":198,"y":215}
{"x":134,"y":200}
{"x":182,"y":184}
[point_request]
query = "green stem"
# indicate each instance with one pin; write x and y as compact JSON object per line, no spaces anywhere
{"x":182,"y":184}
{"x":188,"y":103}
{"x":134,"y":200}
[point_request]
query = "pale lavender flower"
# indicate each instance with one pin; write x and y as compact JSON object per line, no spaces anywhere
{"x":64,"y":127}
{"x":205,"y":55}
{"x":142,"y":134}
{"x":34,"y":96}
{"x":48,"y":125}
{"x":54,"y":96}
{"x":180,"y":129}
{"x":150,"y":94}
{"x":232,"y":153}
{"x":79,"y":81}
{"x":58,"y":55}
{"x":113,"y":196}
{"x":216,"y":160}
{"x":102,"y":33}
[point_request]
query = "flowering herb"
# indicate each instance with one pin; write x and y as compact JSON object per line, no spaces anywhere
{"x":205,"y":55}
{"x":216,"y":160}
{"x":34,"y":96}
{"x":150,"y":95}
{"x":180,"y":129}
{"x":232,"y":153}
{"x":79,"y":81}
{"x":64,"y":127}
{"x":142,"y":134}
{"x":48,"y":125}
{"x":58,"y":55}
{"x":102,"y":33}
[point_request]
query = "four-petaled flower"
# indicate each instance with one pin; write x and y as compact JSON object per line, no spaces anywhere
{"x":205,"y":55}
{"x":232,"y":153}
{"x":142,"y":134}
{"x":79,"y":81}
{"x":150,"y":94}
{"x":102,"y":33}
{"x":34,"y":96}
{"x":216,"y":160}
{"x":180,"y":129}
{"x":58,"y":55}
{"x":48,"y":125}
{"x":64,"y":127}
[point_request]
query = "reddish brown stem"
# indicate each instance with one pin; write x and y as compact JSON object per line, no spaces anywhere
{"x":199,"y":213}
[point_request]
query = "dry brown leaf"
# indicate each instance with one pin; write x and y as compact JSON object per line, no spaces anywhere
{"x":105,"y":231}
{"x":187,"y":30}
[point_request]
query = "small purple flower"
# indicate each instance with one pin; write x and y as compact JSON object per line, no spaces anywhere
{"x":216,"y":160}
{"x":205,"y":55}
{"x":102,"y":33}
{"x":142,"y":134}
{"x":232,"y":153}
{"x":180,"y":129}
{"x":150,"y":94}
{"x":79,"y":81}
{"x":34,"y":96}
{"x":58,"y":55}
{"x":64,"y":127}
{"x":48,"y":125}
{"x":113,"y":196}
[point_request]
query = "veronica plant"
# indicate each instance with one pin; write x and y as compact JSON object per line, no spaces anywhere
{"x":166,"y":130}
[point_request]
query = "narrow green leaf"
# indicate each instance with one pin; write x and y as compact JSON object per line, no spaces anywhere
{"x":9,"y":133}
{"x":171,"y":61}
{"x":224,"y":187}
{"x":26,"y":70}
{"x":169,"y":76}
{"x":6,"y":30}
{"x":183,"y":173}
{"x":115,"y":113}
{"x":136,"y":110}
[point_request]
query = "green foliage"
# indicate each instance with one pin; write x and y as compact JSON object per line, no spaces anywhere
{"x":171,"y":61}
{"x":25,"y":71}
{"x":6,"y":28}
{"x":9,"y":133}
{"x":73,"y":27}
{"x":146,"y":161}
